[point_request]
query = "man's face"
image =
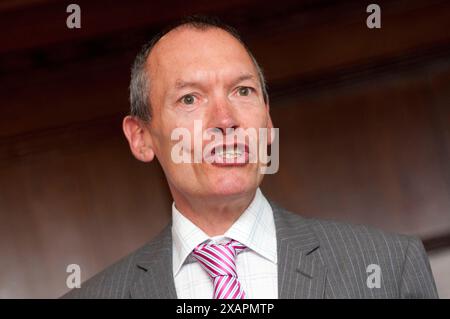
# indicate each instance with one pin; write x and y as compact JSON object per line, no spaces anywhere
{"x":204,"y":75}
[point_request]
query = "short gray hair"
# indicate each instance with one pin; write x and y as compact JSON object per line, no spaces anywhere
{"x":140,"y":83}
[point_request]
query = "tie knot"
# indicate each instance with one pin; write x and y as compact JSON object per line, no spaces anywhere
{"x":218,"y":259}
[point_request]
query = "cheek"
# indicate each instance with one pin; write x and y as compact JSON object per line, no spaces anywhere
{"x":175,"y":140}
{"x":162,"y":141}
{"x":255,"y":117}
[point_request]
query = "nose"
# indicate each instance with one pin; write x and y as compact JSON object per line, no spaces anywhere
{"x":222,"y":116}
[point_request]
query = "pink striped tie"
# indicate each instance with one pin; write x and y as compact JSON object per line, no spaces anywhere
{"x":218,"y":260}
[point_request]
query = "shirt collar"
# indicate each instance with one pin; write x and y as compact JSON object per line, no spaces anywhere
{"x":255,"y":228}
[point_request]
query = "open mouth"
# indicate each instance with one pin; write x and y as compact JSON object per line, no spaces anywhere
{"x":225,"y":155}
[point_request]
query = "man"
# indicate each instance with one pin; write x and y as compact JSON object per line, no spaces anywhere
{"x":226,"y":240}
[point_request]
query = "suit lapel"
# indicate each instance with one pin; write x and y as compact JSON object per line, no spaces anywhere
{"x":301,"y":274}
{"x":155,"y":262}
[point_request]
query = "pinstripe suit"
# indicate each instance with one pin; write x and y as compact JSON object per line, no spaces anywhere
{"x":316,"y":259}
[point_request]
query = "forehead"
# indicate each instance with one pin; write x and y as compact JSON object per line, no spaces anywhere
{"x":188,"y":52}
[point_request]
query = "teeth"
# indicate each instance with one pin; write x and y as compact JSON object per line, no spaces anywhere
{"x":229,"y":154}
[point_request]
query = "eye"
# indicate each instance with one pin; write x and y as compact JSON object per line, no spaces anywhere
{"x":244,"y":91}
{"x":188,"y":99}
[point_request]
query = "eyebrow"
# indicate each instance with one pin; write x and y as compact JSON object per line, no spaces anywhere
{"x":181,"y":84}
{"x":244,"y":77}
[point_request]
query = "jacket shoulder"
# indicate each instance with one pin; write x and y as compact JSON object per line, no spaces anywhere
{"x":337,"y":233}
{"x":115,"y":281}
{"x":351,"y":239}
{"x":350,"y":251}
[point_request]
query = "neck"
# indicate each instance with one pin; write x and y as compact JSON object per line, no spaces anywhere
{"x":214,"y":216}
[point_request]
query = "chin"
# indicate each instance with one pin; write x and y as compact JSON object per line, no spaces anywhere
{"x":233,"y":184}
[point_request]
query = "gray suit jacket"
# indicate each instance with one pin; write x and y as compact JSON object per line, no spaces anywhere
{"x":316,"y":259}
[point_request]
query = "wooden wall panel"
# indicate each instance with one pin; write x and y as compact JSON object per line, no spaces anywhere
{"x":371,"y":154}
{"x":87,"y":203}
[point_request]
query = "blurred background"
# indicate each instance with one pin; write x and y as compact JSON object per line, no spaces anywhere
{"x":364,"y":118}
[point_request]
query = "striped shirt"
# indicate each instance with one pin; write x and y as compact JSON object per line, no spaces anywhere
{"x":256,"y":266}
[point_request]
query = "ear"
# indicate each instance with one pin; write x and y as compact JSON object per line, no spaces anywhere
{"x":139,"y":138}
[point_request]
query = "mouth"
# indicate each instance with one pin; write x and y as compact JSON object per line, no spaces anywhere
{"x":229,"y":155}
